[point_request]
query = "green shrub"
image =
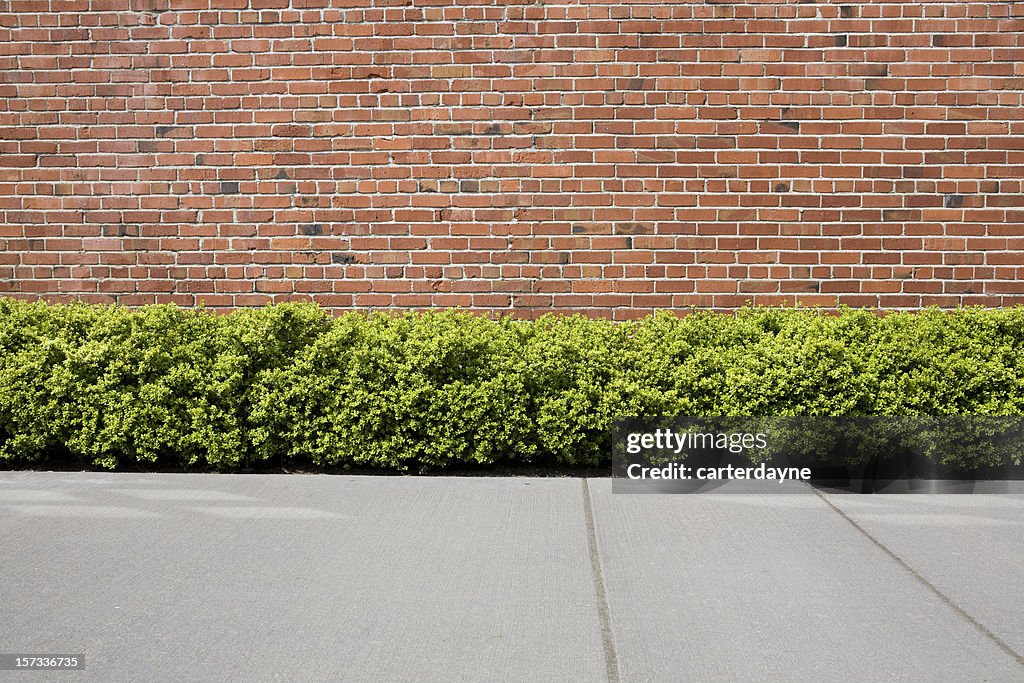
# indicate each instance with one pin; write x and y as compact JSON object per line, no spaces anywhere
{"x":258,"y":344}
{"x":800,"y":364}
{"x":113,"y":386}
{"x":429,"y":390}
{"x":290,"y":385}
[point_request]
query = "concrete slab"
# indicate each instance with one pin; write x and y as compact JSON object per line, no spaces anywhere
{"x":970,"y":547}
{"x":263,"y":577}
{"x":725,"y":587}
{"x":291,"y":577}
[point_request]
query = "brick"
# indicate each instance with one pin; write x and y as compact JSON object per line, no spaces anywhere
{"x":607,"y":158}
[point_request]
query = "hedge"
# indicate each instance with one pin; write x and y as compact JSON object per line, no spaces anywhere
{"x":290,"y":386}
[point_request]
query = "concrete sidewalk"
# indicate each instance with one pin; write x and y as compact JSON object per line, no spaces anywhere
{"x":292,"y":577}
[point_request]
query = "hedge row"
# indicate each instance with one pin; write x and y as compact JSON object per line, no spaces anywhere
{"x":290,"y":386}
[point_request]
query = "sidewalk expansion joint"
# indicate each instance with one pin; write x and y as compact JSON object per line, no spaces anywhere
{"x":604,"y":614}
{"x":967,"y":616}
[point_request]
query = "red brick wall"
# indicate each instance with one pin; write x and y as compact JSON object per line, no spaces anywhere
{"x":612,"y":157}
